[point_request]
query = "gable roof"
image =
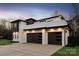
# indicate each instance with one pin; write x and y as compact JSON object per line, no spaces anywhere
{"x":53,"y":17}
{"x":30,"y":19}
{"x":18,"y":20}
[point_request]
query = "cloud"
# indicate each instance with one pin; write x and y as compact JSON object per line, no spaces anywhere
{"x":32,"y":13}
{"x":12,"y":14}
{"x":42,"y":13}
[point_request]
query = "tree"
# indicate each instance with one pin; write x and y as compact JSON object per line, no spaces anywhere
{"x":4,"y":31}
{"x":56,"y":12}
{"x":75,"y":8}
{"x":75,"y":20}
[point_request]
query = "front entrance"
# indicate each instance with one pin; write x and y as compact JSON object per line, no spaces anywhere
{"x":34,"y":37}
{"x":55,"y":38}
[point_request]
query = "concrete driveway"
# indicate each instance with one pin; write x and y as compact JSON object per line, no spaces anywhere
{"x":28,"y":49}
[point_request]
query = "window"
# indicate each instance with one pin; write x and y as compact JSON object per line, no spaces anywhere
{"x":17,"y":36}
{"x":42,"y":21}
{"x":28,"y":22}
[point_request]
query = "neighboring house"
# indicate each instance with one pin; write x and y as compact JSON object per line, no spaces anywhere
{"x":52,"y":30}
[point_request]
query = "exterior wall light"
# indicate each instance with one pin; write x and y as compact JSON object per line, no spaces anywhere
{"x":51,"y":30}
{"x":43,"y":30}
{"x":27,"y":31}
{"x":16,"y":32}
{"x":33,"y":31}
{"x":59,"y":29}
{"x":13,"y":33}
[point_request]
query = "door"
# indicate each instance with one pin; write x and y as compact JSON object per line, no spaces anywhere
{"x":34,"y":37}
{"x":55,"y":38}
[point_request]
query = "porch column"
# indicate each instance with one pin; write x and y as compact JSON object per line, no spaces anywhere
{"x":16,"y":36}
{"x":24,"y":37}
{"x":13,"y":36}
{"x":20,"y":37}
{"x":44,"y":37}
{"x":63,"y":38}
{"x":67,"y":34}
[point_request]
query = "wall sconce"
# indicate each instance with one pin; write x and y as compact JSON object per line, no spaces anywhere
{"x":33,"y":31}
{"x":59,"y":29}
{"x":14,"y":33}
{"x":27,"y":31}
{"x":52,"y":30}
{"x":43,"y":30}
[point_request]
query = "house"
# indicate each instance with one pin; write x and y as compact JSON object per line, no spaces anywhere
{"x":53,"y":30}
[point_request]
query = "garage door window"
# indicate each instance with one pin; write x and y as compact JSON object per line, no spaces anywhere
{"x":58,"y":36}
{"x":40,"y":36}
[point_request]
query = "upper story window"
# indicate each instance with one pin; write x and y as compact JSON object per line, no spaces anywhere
{"x":14,"y":25}
{"x":42,"y":21}
{"x":30,"y":21}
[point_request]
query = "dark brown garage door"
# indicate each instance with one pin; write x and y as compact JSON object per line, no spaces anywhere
{"x":34,"y":37}
{"x":55,"y":38}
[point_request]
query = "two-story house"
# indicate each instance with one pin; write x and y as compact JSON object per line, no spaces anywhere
{"x":52,"y":30}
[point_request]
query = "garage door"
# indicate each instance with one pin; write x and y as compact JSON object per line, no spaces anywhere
{"x":34,"y":37}
{"x":55,"y":38}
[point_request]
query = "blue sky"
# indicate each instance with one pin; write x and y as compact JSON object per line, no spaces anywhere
{"x":34,"y":10}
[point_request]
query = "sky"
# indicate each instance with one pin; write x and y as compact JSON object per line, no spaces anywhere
{"x":34,"y":10}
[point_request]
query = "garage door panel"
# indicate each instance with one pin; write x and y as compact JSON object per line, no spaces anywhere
{"x":54,"y":38}
{"x":34,"y":37}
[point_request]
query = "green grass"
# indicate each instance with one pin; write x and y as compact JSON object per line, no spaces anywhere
{"x":67,"y":51}
{"x":5,"y":42}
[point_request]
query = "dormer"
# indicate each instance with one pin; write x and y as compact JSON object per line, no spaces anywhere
{"x":30,"y":21}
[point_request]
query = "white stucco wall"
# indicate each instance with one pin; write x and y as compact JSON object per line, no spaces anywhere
{"x":22,"y":26}
{"x":22,"y":37}
{"x":44,"y":37}
{"x":49,"y":23}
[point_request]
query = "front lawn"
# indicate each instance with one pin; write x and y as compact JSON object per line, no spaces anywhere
{"x":67,"y":51}
{"x":5,"y":42}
